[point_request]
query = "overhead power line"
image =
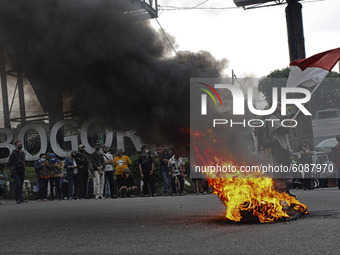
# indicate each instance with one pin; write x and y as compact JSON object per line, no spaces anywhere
{"x":179,"y":8}
{"x":197,"y":7}
{"x":167,"y":38}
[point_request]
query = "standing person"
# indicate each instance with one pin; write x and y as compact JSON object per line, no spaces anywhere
{"x":337,"y":159}
{"x":70,"y":166}
{"x":3,"y":180}
{"x":55,"y":179}
{"x":97,"y":160}
{"x":176,"y":171}
{"x":43,"y":174}
{"x":280,"y":149}
{"x":306,"y":159}
{"x":146,"y":168}
{"x":164,"y":157}
{"x":110,"y":176}
{"x":16,"y":164}
{"x":120,"y":162}
{"x":83,"y":172}
{"x":128,"y":185}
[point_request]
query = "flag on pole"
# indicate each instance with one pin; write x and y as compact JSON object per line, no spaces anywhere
{"x":309,"y":72}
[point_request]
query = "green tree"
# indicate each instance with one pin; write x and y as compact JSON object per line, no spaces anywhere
{"x":326,"y":96}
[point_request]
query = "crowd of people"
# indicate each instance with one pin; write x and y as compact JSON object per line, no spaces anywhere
{"x":281,"y":149}
{"x":111,"y":174}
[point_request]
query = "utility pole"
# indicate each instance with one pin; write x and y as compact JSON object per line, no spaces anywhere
{"x":296,"y":44}
{"x":296,"y":40}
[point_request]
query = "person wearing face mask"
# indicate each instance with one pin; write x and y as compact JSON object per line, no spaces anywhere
{"x":71,"y":169}
{"x":98,"y":164}
{"x":120,"y":162}
{"x":164,"y":158}
{"x":176,"y":166}
{"x":55,"y":166}
{"x":83,"y":172}
{"x":110,"y":177}
{"x":16,"y":164}
{"x":146,"y":167}
{"x":43,"y":174}
{"x":128,"y":185}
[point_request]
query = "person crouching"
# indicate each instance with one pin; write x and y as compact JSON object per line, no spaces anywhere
{"x":127,"y":184}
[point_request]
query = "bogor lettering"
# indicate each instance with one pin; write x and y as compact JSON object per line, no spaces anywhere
{"x":73,"y":139}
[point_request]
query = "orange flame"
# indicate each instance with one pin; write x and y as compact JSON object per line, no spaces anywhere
{"x":242,"y":192}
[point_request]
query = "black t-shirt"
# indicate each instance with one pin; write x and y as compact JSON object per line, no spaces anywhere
{"x":128,"y":182}
{"x":82,"y":163}
{"x":97,"y":160}
{"x":16,"y":161}
{"x":164,"y":166}
{"x":146,"y":163}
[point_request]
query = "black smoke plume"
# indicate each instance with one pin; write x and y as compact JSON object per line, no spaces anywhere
{"x":109,"y":63}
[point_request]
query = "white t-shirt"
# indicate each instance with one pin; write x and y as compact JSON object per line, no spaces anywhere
{"x":176,"y":165}
{"x":107,"y":157}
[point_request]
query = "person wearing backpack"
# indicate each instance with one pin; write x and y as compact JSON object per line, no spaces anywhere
{"x":337,"y":159}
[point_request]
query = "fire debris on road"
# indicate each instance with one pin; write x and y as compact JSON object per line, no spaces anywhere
{"x":194,"y":224}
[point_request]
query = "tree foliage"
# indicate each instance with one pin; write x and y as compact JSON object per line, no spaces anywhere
{"x":327,"y":96}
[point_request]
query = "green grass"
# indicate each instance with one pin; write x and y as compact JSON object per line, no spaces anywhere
{"x":30,"y":174}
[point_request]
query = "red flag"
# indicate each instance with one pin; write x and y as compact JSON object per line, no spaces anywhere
{"x":311,"y":71}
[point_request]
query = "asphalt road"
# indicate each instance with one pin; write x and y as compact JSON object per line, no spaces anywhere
{"x":169,"y":225}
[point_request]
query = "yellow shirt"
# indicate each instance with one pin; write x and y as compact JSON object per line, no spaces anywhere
{"x":121,"y":163}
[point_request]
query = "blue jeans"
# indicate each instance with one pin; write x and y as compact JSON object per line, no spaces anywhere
{"x":166,"y":181}
{"x":19,"y":181}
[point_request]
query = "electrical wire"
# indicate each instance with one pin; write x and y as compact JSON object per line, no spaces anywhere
{"x":188,"y":8}
{"x":167,"y":38}
{"x":200,"y":4}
